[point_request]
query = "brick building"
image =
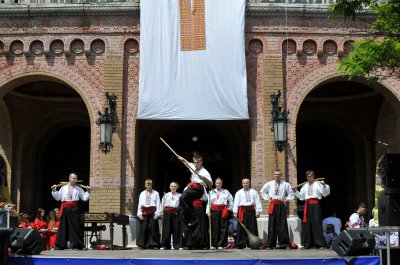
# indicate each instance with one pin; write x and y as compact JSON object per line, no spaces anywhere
{"x":57,"y":61}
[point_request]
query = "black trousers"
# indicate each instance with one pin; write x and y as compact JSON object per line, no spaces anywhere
{"x":197,"y":236}
{"x":250,"y":222}
{"x":219,"y":229}
{"x":186,"y":200}
{"x":70,"y":229}
{"x":278,"y":227}
{"x":148,"y":235}
{"x":311,"y":232}
{"x":171,"y":226}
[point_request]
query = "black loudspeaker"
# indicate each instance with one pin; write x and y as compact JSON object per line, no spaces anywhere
{"x":26,"y":241}
{"x":389,"y":210}
{"x":354,"y":243}
{"x":391,"y":178}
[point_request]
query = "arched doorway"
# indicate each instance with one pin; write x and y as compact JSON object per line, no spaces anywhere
{"x":67,"y":151}
{"x":51,"y":138}
{"x":335,"y":132}
{"x":225,"y":146}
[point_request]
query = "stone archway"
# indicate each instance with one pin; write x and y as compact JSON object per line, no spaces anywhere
{"x":42,"y":108}
{"x":335,"y":131}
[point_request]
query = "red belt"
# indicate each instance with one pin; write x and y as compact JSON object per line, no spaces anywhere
{"x":243,"y":209}
{"x":148,"y":210}
{"x":171,"y":209}
{"x":68,"y":204}
{"x":195,"y":185}
{"x":198,"y":203}
{"x":272,"y":205}
{"x":309,"y":201}
{"x":220,"y":207}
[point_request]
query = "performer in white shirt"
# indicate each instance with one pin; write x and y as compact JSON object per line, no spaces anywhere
{"x":196,"y":188}
{"x":247,"y":208}
{"x":277,"y":192}
{"x":356,"y":220}
{"x":171,"y":221}
{"x":221,"y":203}
{"x":69,"y":228}
{"x":148,"y":213}
{"x":312,"y":192}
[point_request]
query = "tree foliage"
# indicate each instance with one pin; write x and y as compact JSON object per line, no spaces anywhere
{"x":377,"y":56}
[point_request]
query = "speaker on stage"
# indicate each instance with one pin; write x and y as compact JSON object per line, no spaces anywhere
{"x":354,"y":243}
{"x":389,"y":210}
{"x":391,"y":170}
{"x":26,"y":241}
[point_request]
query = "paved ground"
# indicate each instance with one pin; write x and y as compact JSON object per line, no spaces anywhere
{"x":193,"y":254}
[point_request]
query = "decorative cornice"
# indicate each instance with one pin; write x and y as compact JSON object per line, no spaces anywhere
{"x":54,"y":10}
{"x":110,"y":9}
{"x":278,"y":9}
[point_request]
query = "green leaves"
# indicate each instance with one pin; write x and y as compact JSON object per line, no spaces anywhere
{"x":369,"y":58}
{"x":378,"y":56}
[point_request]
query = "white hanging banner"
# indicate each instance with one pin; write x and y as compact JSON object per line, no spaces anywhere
{"x":192,"y":60}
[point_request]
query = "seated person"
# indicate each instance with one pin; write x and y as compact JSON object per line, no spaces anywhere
{"x":330,"y":235}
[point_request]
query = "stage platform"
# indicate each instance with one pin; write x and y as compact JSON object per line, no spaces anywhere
{"x":188,"y":257}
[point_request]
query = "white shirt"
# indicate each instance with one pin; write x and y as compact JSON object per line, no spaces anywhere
{"x":225,"y":198}
{"x":154,"y":200}
{"x":76,"y":194}
{"x":202,"y":172}
{"x":171,"y":200}
{"x":285,"y":192}
{"x":357,"y":221}
{"x":317,"y":191}
{"x":337,"y":224}
{"x":240,"y":200}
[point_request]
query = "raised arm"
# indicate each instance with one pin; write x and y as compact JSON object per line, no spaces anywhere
{"x":84,"y":195}
{"x":56,"y":193}
{"x":289,"y":192}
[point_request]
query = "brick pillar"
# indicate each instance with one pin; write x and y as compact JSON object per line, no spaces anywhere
{"x":107,"y":198}
{"x":6,"y":142}
{"x":273,"y":81}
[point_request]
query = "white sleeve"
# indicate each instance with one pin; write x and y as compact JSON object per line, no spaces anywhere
{"x":140,"y":204}
{"x":158,"y":205}
{"x":289,"y":191}
{"x":325,"y":189}
{"x":83,"y":195}
{"x":353,"y":220}
{"x":208,"y":176}
{"x":301,"y":195}
{"x":257,"y":202}
{"x":163,"y":204}
{"x":264,"y":192}
{"x":236,"y":203}
{"x":230,"y":201}
{"x":57,"y":194}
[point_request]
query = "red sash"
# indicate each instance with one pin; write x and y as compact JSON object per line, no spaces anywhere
{"x":272,"y":206}
{"x":198,"y":203}
{"x":171,"y":209}
{"x":309,"y":201}
{"x":148,"y":210}
{"x":69,"y":204}
{"x":220,"y":207}
{"x":243,"y":209}
{"x":195,"y":185}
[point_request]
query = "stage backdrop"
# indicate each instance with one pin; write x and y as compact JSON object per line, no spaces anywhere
{"x":192,"y":60}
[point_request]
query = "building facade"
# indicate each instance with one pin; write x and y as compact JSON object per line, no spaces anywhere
{"x":58,"y":60}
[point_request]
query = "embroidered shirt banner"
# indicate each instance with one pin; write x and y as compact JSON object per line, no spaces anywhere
{"x":192,"y":60}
